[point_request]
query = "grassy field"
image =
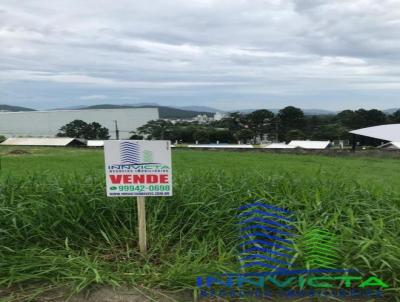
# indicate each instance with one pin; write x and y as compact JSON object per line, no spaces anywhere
{"x":59,"y":229}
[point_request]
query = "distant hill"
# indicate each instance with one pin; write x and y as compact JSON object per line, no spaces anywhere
{"x":201,"y":109}
{"x":318,"y":112}
{"x":14,"y":108}
{"x":189,"y":111}
{"x":306,"y":111}
{"x":106,"y":106}
{"x":164,"y":111}
{"x":68,"y":108}
{"x":142,"y":104}
{"x":391,"y":110}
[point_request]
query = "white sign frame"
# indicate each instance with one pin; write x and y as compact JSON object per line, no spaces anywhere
{"x":138,"y":168}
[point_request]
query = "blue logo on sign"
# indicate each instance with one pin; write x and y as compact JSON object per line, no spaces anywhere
{"x":130,"y":153}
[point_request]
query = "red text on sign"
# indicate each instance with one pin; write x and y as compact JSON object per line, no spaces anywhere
{"x":139,"y":178}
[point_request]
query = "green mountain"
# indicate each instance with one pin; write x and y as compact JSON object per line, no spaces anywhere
{"x":164,"y":111}
{"x":391,"y":110}
{"x":14,"y":108}
{"x":201,"y":109}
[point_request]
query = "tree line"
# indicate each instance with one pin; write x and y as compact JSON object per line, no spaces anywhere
{"x":290,"y":123}
{"x":81,"y":129}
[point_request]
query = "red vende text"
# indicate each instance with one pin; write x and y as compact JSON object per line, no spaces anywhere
{"x":139,"y":179}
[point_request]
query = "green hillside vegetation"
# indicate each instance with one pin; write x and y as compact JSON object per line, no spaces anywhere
{"x":14,"y":108}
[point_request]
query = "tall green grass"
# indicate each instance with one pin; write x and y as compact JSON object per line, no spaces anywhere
{"x":61,"y":230}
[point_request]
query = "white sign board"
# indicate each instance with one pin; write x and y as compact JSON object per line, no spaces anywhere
{"x":138,"y":168}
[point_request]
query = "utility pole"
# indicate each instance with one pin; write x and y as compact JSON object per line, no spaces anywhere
{"x":116,"y":130}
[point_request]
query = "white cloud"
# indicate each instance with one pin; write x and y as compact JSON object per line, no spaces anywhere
{"x":81,"y":79}
{"x":94,"y":97}
{"x":342,"y":60}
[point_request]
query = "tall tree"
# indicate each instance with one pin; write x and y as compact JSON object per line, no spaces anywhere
{"x":361,"y":118}
{"x":96,"y":131}
{"x":260,"y":122}
{"x":291,"y":118}
{"x":76,"y":128}
{"x":331,"y":132}
{"x":201,"y":136}
{"x":244,"y":135}
{"x":222,"y":136}
{"x":234,"y":122}
{"x":81,"y":129}
{"x":376,"y":117}
{"x":136,"y":136}
{"x":156,"y":129}
{"x":294,"y":134}
{"x":347,"y":118}
{"x":395,"y":117}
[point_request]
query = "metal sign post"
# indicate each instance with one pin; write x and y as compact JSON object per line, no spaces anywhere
{"x":138,"y":168}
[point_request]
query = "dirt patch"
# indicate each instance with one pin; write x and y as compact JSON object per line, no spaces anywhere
{"x":34,"y":293}
{"x":108,"y":294}
{"x":18,"y":152}
{"x":120,"y":294}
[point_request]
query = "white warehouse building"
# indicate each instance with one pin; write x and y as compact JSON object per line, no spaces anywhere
{"x":48,"y":123}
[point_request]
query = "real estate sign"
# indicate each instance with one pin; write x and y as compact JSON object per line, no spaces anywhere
{"x":138,"y":168}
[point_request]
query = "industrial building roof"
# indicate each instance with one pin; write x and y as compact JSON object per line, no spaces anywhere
{"x":95,"y":143}
{"x":48,"y":123}
{"x":310,"y":144}
{"x":391,"y":146}
{"x":389,"y":132}
{"x":34,"y":141}
{"x":279,"y":146}
{"x":222,"y":146}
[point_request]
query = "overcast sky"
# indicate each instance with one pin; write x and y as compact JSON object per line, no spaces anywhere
{"x":228,"y":54}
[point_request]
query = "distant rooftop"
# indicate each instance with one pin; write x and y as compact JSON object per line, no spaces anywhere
{"x":310,"y":144}
{"x":389,"y":132}
{"x":279,"y":146}
{"x":34,"y":141}
{"x":222,"y":146}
